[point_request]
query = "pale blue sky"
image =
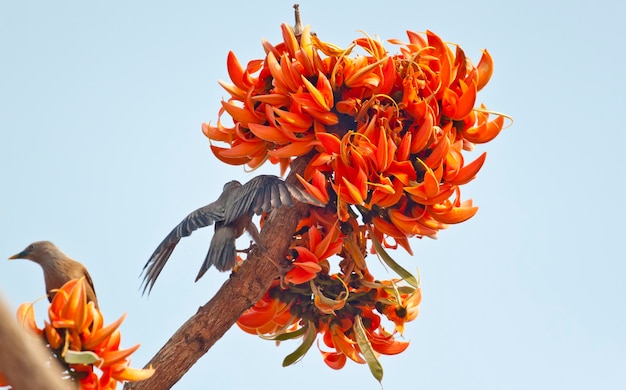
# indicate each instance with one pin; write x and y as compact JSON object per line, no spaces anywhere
{"x":101,"y":152}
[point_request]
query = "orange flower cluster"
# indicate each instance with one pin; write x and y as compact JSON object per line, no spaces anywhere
{"x":314,"y":301}
{"x":76,"y":335}
{"x":335,"y":309}
{"x":383,"y":137}
{"x":386,"y":131}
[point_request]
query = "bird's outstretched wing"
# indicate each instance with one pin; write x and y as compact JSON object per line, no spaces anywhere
{"x":262,"y":194}
{"x":200,"y":218}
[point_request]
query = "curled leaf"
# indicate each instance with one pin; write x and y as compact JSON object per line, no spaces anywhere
{"x":309,"y":336}
{"x":403,"y":273}
{"x":366,"y":349}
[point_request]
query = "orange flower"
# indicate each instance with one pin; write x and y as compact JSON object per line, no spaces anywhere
{"x":76,"y":329}
{"x":307,"y":264}
{"x":305,"y":267}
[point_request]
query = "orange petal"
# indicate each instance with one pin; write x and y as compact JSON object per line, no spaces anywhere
{"x":319,"y":193}
{"x":484,"y":132}
{"x":485,"y":69}
{"x":410,"y":225}
{"x":102,"y":334}
{"x":443,"y":53}
{"x":382,"y":198}
{"x":259,"y":315}
{"x":52,"y":336}
{"x":334,"y":360}
{"x":324,"y":97}
{"x":293,"y":149}
{"x":417,"y":194}
{"x":279,"y":81}
{"x":402,"y":170}
{"x":233,"y":90}
{"x":387,"y":228}
{"x":330,"y":142}
{"x":293,"y":118}
{"x":465,"y":103}
{"x":330,"y":245}
{"x":468,"y":172}
{"x":235,"y":70}
{"x":112,"y":357}
{"x":26,"y":317}
{"x":302,"y":272}
{"x":327,"y":118}
{"x":403,"y":151}
{"x":217,"y":151}
{"x":422,"y":134}
{"x":439,"y":151}
{"x":274,"y":99}
{"x":132,"y":374}
{"x":357,"y":193}
{"x":386,"y":344}
{"x":389,"y":77}
{"x":291,"y":43}
{"x":345,"y":345}
{"x":416,"y":39}
{"x":455,"y":215}
{"x":364,"y":75}
{"x":244,"y":149}
{"x":268,"y":133}
{"x":241,"y":115}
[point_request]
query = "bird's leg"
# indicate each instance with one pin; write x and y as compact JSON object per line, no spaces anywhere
{"x":254,"y":232}
{"x":256,"y":238}
{"x":247,"y":250}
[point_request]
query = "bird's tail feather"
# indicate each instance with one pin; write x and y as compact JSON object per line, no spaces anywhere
{"x":222,"y":252}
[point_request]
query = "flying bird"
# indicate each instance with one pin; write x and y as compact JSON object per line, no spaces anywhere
{"x":232,"y":214}
{"x":58,"y":268}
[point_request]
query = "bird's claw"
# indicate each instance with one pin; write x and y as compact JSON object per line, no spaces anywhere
{"x":252,"y":248}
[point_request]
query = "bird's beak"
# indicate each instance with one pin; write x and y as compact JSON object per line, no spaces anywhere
{"x":17,"y":256}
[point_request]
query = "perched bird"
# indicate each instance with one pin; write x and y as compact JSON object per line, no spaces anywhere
{"x":232,"y":214}
{"x":58,"y":268}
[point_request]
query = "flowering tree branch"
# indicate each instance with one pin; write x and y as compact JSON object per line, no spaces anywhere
{"x":379,"y":139}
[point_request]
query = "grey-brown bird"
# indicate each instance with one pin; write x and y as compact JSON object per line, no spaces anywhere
{"x":58,"y":268}
{"x":232,"y":214}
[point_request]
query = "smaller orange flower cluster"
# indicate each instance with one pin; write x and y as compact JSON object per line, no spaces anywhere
{"x":347,"y":315}
{"x":77,"y":336}
{"x":318,"y":302}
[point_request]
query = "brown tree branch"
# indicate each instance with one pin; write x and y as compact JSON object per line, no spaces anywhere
{"x":245,"y":287}
{"x":23,"y":357}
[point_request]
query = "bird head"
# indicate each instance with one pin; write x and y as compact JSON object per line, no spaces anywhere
{"x":38,"y":252}
{"x":231,"y":185}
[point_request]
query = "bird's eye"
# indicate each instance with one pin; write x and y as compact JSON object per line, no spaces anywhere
{"x":30,"y":248}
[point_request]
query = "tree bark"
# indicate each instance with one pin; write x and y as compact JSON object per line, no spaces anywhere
{"x":245,"y":287}
{"x":23,"y":357}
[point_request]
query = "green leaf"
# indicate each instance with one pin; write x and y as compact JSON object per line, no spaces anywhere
{"x":309,"y":336}
{"x":368,"y":352}
{"x":285,"y":336}
{"x":80,"y":357}
{"x":404,"y":274}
